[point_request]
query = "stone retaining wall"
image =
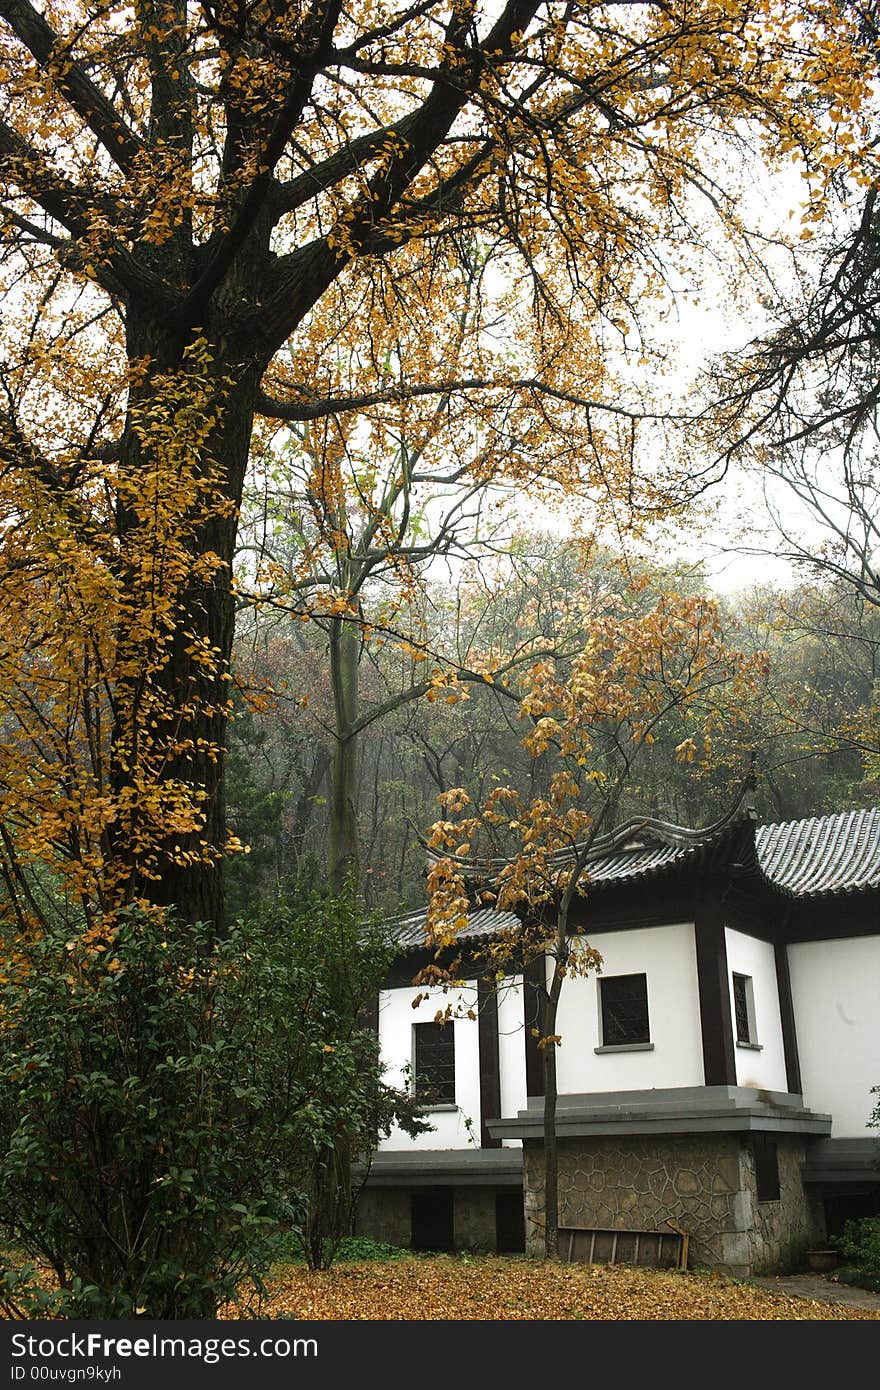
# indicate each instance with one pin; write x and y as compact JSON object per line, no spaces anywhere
{"x":384,"y":1213}
{"x":704,"y":1183}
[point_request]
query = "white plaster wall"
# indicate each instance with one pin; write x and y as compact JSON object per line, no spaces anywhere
{"x":765,"y":1070}
{"x":396,"y":1019}
{"x":667,"y":955}
{"x":511,"y":1050}
{"x":835,"y":989}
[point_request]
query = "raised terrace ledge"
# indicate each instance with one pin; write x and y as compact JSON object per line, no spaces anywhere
{"x":453,"y":1167}
{"x":842,"y":1161}
{"x":677,"y":1110}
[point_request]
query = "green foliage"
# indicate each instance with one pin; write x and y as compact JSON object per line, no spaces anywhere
{"x":860,"y":1242}
{"x":256,"y":809}
{"x":860,"y":1245}
{"x":141,"y":1117}
{"x":363,"y":1248}
{"x":165,"y":1105}
{"x":341,"y":963}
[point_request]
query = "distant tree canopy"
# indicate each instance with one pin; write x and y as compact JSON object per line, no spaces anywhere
{"x":181,"y":187}
{"x":810,"y":732}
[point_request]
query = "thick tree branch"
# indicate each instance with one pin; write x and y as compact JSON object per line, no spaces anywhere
{"x":74,"y":208}
{"x":325,"y":173}
{"x":314,"y":408}
{"x":301,"y":278}
{"x":101,"y":117}
{"x":316,"y":35}
{"x":64,"y":202}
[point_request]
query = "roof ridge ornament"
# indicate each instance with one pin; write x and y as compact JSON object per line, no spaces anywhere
{"x":640,"y":829}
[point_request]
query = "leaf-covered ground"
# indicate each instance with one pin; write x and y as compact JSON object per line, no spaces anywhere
{"x":489,"y":1287}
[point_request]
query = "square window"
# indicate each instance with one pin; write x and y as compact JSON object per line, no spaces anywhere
{"x":744,"y":1009}
{"x":434,"y":1063}
{"x":624,"y":1006}
{"x":766,"y":1168}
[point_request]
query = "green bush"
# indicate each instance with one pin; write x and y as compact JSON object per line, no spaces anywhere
{"x":167,"y":1106}
{"x":363,"y":1248}
{"x":343,"y":962}
{"x":860,"y":1244}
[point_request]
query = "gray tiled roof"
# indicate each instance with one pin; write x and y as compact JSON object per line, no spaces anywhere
{"x":804,"y":858}
{"x":641,"y":847}
{"x":637,"y":861}
{"x":409,"y":931}
{"x":822,"y":856}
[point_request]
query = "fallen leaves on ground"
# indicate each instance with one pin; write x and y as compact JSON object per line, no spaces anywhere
{"x":494,"y":1287}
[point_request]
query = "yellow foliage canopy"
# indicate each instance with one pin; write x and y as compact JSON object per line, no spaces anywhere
{"x":209,"y":215}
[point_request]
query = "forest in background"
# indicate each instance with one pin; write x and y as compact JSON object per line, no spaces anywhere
{"x":808,"y":732}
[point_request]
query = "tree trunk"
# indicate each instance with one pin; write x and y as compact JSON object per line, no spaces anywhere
{"x":549,"y":1010}
{"x":342,"y":847}
{"x":305,"y":804}
{"x":330,"y":1204}
{"x":180,"y":705}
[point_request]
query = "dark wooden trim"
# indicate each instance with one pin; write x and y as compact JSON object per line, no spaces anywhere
{"x":628,"y":907}
{"x":752,"y":915}
{"x":719,"y":1058}
{"x":534,"y":979}
{"x":786,"y":1014}
{"x":749,"y":906}
{"x":404,"y":968}
{"x":832,"y":919}
{"x":490,"y":1067}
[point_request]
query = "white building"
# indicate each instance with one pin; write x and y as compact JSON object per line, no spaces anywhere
{"x":716,"y":1075}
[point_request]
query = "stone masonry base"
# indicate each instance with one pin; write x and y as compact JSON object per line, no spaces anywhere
{"x":384,"y":1214}
{"x":704,"y":1183}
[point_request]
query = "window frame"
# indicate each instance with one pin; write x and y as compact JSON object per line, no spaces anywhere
{"x":738,"y":977}
{"x":436,"y":1095}
{"x":643,"y":1042}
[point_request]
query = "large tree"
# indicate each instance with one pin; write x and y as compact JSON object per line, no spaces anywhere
{"x":180,"y":186}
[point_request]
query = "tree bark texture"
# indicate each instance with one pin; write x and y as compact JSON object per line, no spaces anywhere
{"x":343,"y":829}
{"x":187,"y":871}
{"x":550,"y":1006}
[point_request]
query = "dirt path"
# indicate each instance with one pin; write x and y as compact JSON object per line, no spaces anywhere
{"x":818,"y":1287}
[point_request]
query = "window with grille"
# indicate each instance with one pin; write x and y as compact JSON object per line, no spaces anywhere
{"x":624,"y":1004}
{"x":434,"y":1063}
{"x":744,"y":1009}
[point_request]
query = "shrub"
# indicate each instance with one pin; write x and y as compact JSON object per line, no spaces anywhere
{"x":341,"y":962}
{"x":363,"y":1248}
{"x":860,"y":1244}
{"x":165,"y":1103}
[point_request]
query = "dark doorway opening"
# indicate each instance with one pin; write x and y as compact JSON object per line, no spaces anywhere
{"x":510,"y":1226}
{"x":432,"y":1219}
{"x":849,"y":1204}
